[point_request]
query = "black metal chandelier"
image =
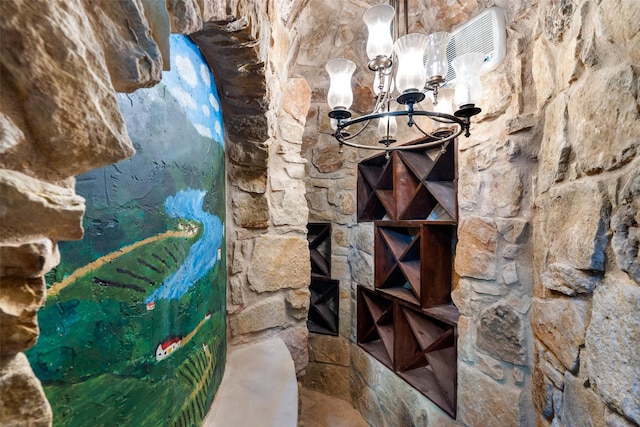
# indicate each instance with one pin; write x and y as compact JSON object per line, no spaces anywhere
{"x":416,"y":65}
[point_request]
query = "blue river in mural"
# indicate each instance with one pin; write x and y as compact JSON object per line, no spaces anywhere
{"x":202,"y":256}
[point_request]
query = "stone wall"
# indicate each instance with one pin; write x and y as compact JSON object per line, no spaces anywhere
{"x":546,"y":261}
{"x":584,"y":312}
{"x":265,"y":113}
{"x":62,"y":63}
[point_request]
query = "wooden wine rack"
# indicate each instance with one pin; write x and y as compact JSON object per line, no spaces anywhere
{"x":325,"y":292}
{"x":408,"y":321}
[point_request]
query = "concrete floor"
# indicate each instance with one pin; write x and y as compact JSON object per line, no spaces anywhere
{"x":319,"y":410}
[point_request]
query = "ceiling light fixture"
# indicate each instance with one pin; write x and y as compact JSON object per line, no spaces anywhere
{"x":415,"y":64}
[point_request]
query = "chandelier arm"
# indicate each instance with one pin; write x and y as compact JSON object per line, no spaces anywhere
{"x":349,"y":136}
{"x":420,"y":129}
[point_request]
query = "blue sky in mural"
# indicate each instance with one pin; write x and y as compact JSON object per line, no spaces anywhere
{"x":190,"y":81}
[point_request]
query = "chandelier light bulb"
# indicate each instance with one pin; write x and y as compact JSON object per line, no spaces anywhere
{"x":435,"y":60}
{"x":444,"y":103}
{"x":386,"y":82}
{"x":468,"y":87}
{"x":411,"y":75}
{"x":340,"y":96}
{"x":378,"y":20}
{"x":387,"y":125}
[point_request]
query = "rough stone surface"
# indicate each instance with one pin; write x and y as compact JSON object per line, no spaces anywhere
{"x":542,"y":391}
{"x":159,"y":22}
{"x":327,"y":159}
{"x":332,"y":380}
{"x":613,"y":419}
{"x":513,"y":230}
{"x":250,"y":210}
{"x":21,"y":299}
{"x":625,"y":223}
{"x":329,"y":349}
{"x":486,"y":402}
{"x":22,"y":401}
{"x":506,"y":189}
{"x":569,"y":281}
{"x":27,"y":200}
{"x":575,"y":222}
{"x":491,"y":367}
{"x":613,"y":345}
{"x":131,"y":53}
{"x":298,"y":301}
{"x":296,"y":339}
{"x":72,"y":140}
{"x":279,"y":262}
{"x":476,"y":249}
{"x":265,"y":314}
{"x":185,"y":16}
{"x":561,"y":324}
{"x":28,"y":259}
{"x":501,"y":334}
{"x":297,"y":98}
{"x":581,"y":406}
{"x":590,"y":119}
{"x":510,"y":273}
{"x":555,"y":150}
{"x":361,"y":265}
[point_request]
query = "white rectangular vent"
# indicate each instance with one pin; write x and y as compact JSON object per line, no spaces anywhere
{"x":485,"y":33}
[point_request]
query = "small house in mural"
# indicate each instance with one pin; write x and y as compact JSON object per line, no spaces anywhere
{"x":166,"y":348}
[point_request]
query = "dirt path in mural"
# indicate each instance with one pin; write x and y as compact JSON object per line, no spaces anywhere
{"x":191,"y":334}
{"x":58,"y":286}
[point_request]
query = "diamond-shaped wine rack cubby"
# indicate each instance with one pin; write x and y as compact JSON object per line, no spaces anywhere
{"x":319,"y":237}
{"x":413,"y":262}
{"x":324,"y":308}
{"x":419,"y":347}
{"x":325,"y":292}
{"x":410,"y":185}
{"x":408,"y":321}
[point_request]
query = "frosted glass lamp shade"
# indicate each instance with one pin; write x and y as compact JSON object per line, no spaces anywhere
{"x":435,"y":60}
{"x":468,"y":87}
{"x":378,"y":20}
{"x":411,"y":75}
{"x":340,"y":96}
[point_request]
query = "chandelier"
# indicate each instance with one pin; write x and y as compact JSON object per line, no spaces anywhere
{"x":411,"y":67}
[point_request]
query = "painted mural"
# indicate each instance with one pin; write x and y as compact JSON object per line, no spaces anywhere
{"x":133,"y":329}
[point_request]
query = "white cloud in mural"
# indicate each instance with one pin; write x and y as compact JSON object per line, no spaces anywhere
{"x":205,"y":111}
{"x":184,"y":98}
{"x":203,"y":130}
{"x":218,"y":128}
{"x":204,"y":73}
{"x":214,"y":102}
{"x":186,"y":70}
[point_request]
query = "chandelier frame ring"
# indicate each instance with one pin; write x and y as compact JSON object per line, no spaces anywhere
{"x":436,"y":116}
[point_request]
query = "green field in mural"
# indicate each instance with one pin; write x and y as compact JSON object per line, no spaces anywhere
{"x":133,"y":328}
